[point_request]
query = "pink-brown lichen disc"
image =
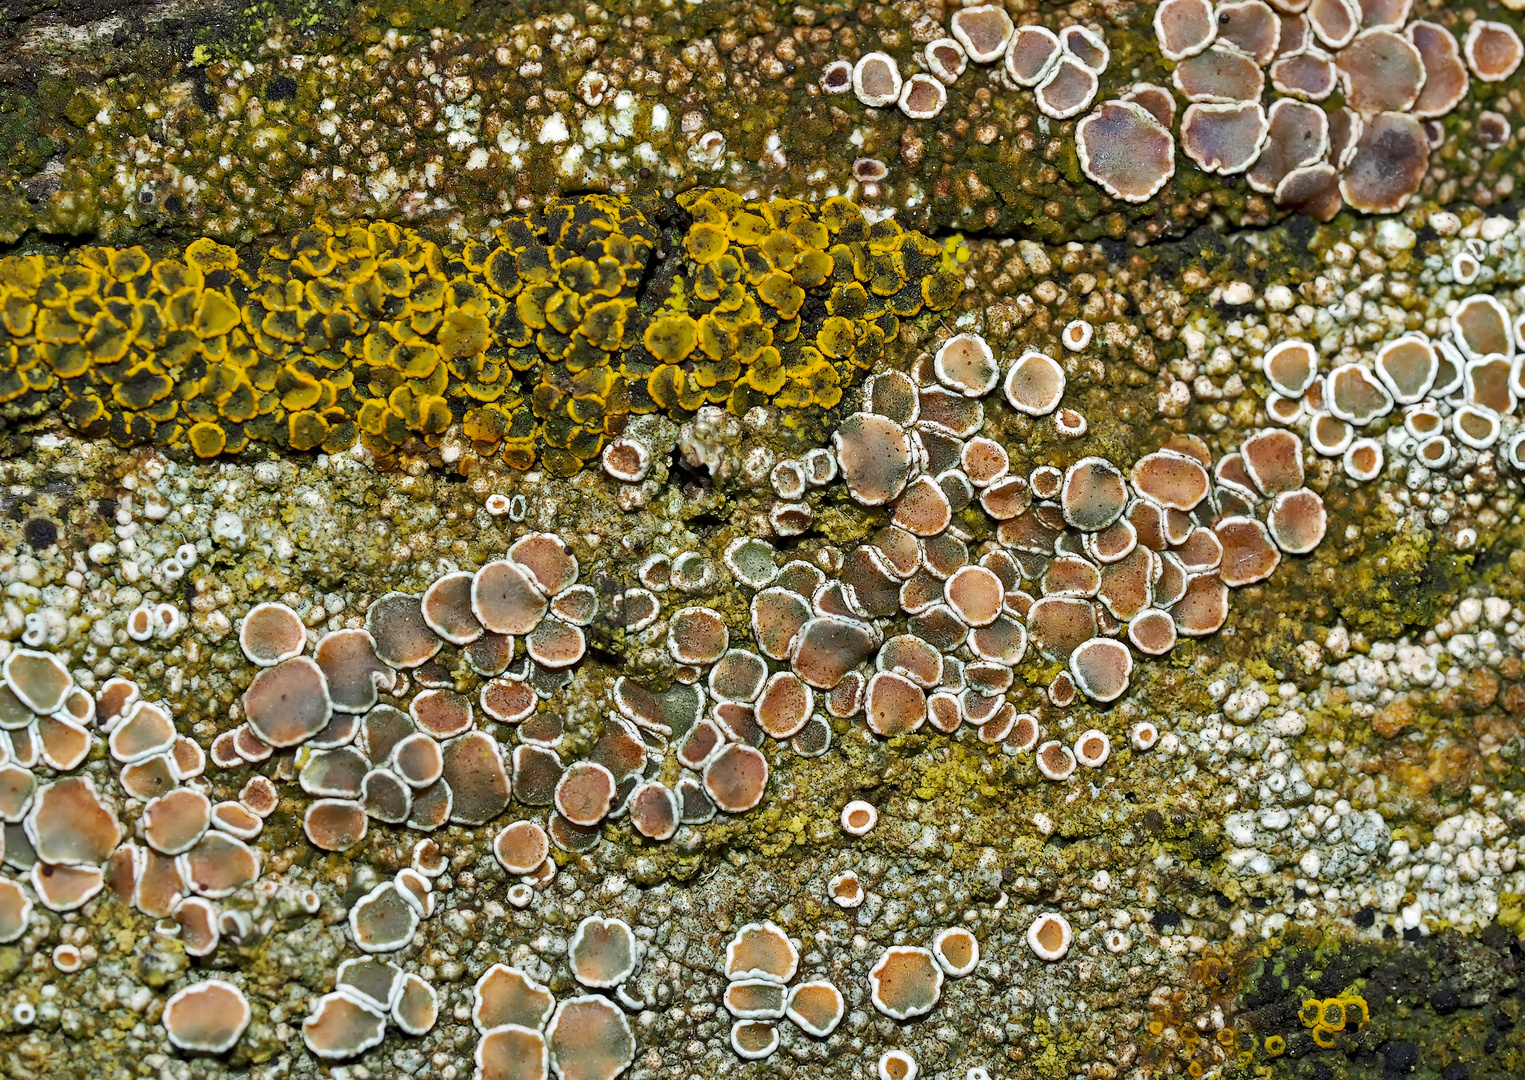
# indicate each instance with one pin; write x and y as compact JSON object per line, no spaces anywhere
{"x":697,"y":635}
{"x":287,"y":704}
{"x":906,"y":981}
{"x":755,"y":999}
{"x":1334,"y":21}
{"x":590,"y":1039}
{"x":1291,"y":367}
{"x":383,"y":920}
{"x":654,"y":811}
{"x":1363,"y":460}
{"x":1035,"y":384}
{"x":975,"y":594}
{"x":1248,"y":554}
{"x":761,"y":951}
{"x":1067,"y":89}
{"x":555,"y":644}
{"x":1059,"y":625}
{"x":585,"y":793}
{"x":507,"y":995}
{"x":352,"y":670}
{"x":508,"y":700}
{"x":1101,"y":667}
{"x":894,"y":705}
{"x":876,"y":79}
{"x":738,"y":676}
{"x":875,"y":456}
{"x":1087,"y":46}
{"x":1408,"y":367}
{"x":146,"y":731}
{"x":1171,"y":480}
{"x":913,"y":658}
{"x":983,"y":31}
{"x":1274,"y":460}
{"x":1184,"y":27}
{"x":736,"y":778}
{"x":1488,"y":384}
{"x":1050,"y":935}
{"x":1071,"y":575}
{"x":1388,"y":164}
{"x":1474,"y":426}
{"x":402,"y":638}
{"x":923,"y":508}
{"x":66,"y":888}
{"x":1354,"y":394}
{"x":1251,"y":27}
{"x":1493,"y":50}
{"x":417,"y":1006}
{"x":1220,"y":74}
{"x":207,"y":1017}
{"x":417,"y":760}
{"x":946,"y":59}
{"x":984,"y":461}
{"x":1313,"y":190}
{"x":627,"y":460}
{"x":1152,"y":631}
{"x":271,"y":633}
{"x":966,"y":363}
{"x":1032,"y":53}
{"x":174,"y":821}
{"x":837,"y":77}
{"x":334,"y":824}
{"x":64,"y":743}
{"x":1309,"y":75}
{"x":828,"y":647}
{"x":602,"y":953}
{"x":38,"y":679}
{"x":1055,"y":760}
{"x":446,"y":607}
{"x":235,"y":819}
{"x":922,"y":97}
{"x":1445,"y":75}
{"x":1481,"y":326}
{"x":1125,"y":149}
{"x":1381,"y":71}
{"x":1298,"y":137}
{"x":520,"y":847}
{"x":1157,"y":101}
{"x":1224,"y":138}
{"x":548,"y":558}
{"x":816,"y":1007}
{"x":754,"y":1040}
{"x":784,"y":705}
{"x":15,"y":910}
{"x":1094,"y":494}
{"x":219,"y":865}
{"x":198,"y":926}
{"x":505,"y":599}
{"x":1203,"y":608}
{"x":1002,"y":500}
{"x":512,"y":1052}
{"x":340,"y":1027}
{"x":1093,"y":747}
{"x":69,"y":824}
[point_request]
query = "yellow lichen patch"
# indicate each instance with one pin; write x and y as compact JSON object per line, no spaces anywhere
{"x":671,"y":338}
{"x":532,"y":341}
{"x":1328,"y":1017}
{"x":207,"y":440}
